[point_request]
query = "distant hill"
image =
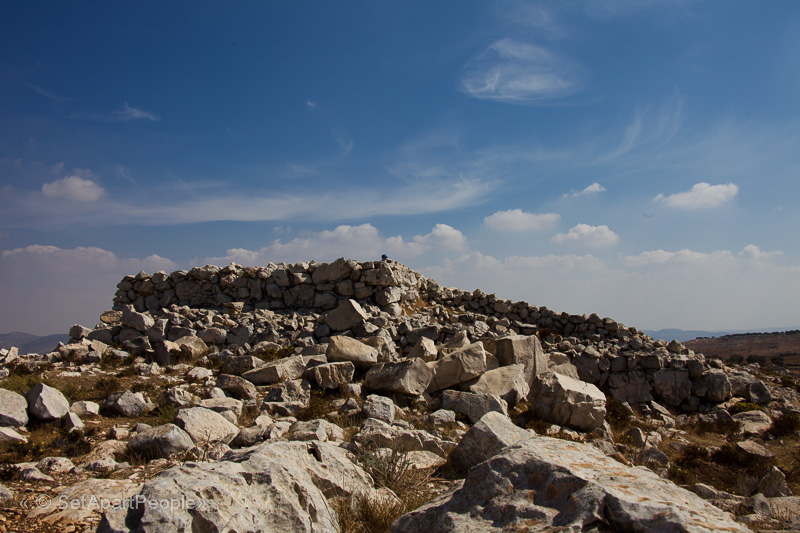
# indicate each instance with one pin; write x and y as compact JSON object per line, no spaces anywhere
{"x":785,"y":344}
{"x":681,"y":335}
{"x":28,"y":343}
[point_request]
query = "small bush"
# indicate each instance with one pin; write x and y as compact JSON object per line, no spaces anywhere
{"x":271,"y":354}
{"x":20,"y":383}
{"x":106,"y":385}
{"x":392,"y":469}
{"x":617,"y":415}
{"x":164,"y":414}
{"x":726,"y":455}
{"x":742,"y":407}
{"x":786,"y":424}
{"x":693,"y":455}
{"x":22,"y":451}
{"x":318,"y":406}
{"x":79,"y":442}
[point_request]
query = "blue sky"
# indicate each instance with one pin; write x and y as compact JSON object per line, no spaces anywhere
{"x":638,"y":159}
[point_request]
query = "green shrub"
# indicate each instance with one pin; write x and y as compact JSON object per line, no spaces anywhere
{"x":617,"y":415}
{"x":741,"y":407}
{"x":786,"y":424}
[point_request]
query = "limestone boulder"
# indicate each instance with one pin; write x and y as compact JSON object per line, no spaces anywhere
{"x":82,"y":502}
{"x":568,"y":402}
{"x":342,"y":349}
{"x":488,"y":436}
{"x":544,"y":484}
{"x":46,"y":403}
{"x":205,"y":426}
{"x":126,"y":403}
{"x":713,"y":386}
{"x":275,"y":371}
{"x":347,"y":315}
{"x":425,"y":349}
{"x":755,"y":422}
{"x":13,"y":409}
{"x":773,"y":483}
{"x":460,"y":366}
{"x":192,"y":347}
{"x":374,"y":432}
{"x":85,"y":408}
{"x":237,"y":386}
{"x":409,"y":377}
{"x":332,"y":375}
{"x":758,"y":392}
{"x":223,"y":405}
{"x":522,"y":349}
{"x":275,"y":486}
{"x":672,"y":385}
{"x":379,"y":407}
{"x":10,"y":435}
{"x":473,"y":406}
{"x":506,"y":382}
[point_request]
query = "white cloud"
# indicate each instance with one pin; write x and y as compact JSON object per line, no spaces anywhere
{"x":362,"y":242}
{"x":46,"y":289}
{"x":588,"y":235}
{"x":520,"y":73}
{"x":518,"y":220}
{"x":73,"y":188}
{"x":594,"y":188}
{"x":701,"y":195}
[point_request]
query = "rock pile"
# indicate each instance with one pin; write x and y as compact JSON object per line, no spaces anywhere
{"x":279,"y":380}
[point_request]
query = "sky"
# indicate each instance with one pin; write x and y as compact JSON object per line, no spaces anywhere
{"x":637,"y":159}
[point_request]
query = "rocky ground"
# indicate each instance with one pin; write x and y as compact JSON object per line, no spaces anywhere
{"x":364,"y":397}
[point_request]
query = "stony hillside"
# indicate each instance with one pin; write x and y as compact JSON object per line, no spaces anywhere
{"x":780,"y":345}
{"x":352,"y":396}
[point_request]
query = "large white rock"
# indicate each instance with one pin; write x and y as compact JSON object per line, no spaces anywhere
{"x":460,"y":366}
{"x":161,"y":441}
{"x":543,"y":484}
{"x":332,"y":375}
{"x":567,"y":401}
{"x":127,"y":403}
{"x":506,"y":382}
{"x":237,"y":386}
{"x":46,"y":403}
{"x":410,"y":377}
{"x":13,"y":409}
{"x":276,"y":486}
{"x":473,"y":406}
{"x":378,"y":433}
{"x":81,"y":502}
{"x":522,"y":349}
{"x":205,"y":426}
{"x":756,"y":421}
{"x":344,"y":317}
{"x":342,"y":348}
{"x":275,"y":371}
{"x":488,"y":436}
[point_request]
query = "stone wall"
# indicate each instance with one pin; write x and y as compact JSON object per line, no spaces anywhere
{"x":320,"y":287}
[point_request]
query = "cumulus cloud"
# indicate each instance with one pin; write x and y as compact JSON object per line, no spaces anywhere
{"x":46,"y":289}
{"x":701,"y":195}
{"x":519,"y":220}
{"x":73,"y":188}
{"x":594,"y":188}
{"x":520,"y":73}
{"x":363,"y":242}
{"x":588,"y":235}
{"x":687,"y":289}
